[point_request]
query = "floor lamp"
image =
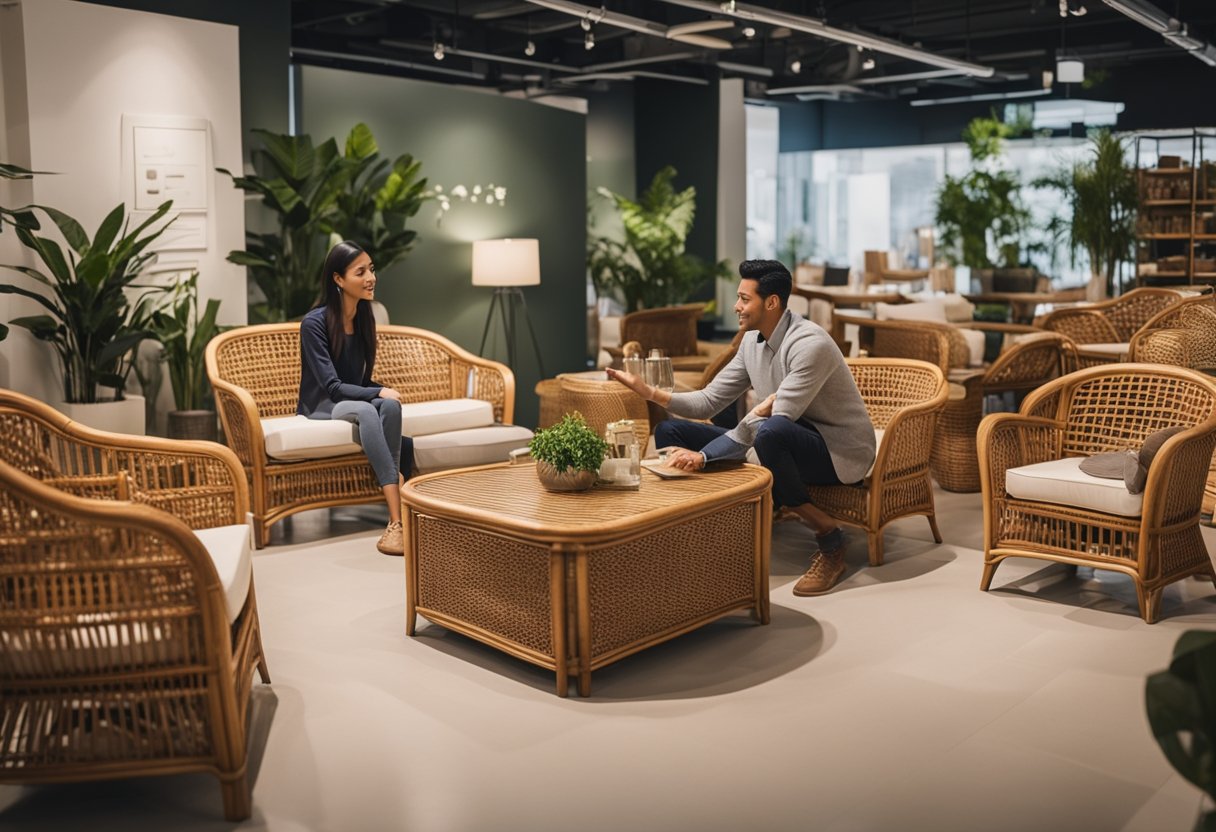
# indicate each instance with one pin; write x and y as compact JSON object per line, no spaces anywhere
{"x":507,"y":265}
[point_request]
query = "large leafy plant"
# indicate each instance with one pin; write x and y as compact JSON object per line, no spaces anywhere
{"x":184,"y":333}
{"x":649,"y":267}
{"x":1181,"y":705}
{"x":315,"y":192}
{"x":19,"y":217}
{"x":981,"y":212}
{"x":571,"y":443}
{"x":1102,"y":197}
{"x":91,"y":322}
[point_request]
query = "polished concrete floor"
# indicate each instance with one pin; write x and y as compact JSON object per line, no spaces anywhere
{"x":907,"y":699}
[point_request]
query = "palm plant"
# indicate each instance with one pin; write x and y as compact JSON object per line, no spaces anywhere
{"x":17,"y":217}
{"x":316,"y":192}
{"x":981,"y":211}
{"x":1102,"y":194}
{"x":92,"y":324}
{"x":650,"y":267}
{"x":184,"y":335}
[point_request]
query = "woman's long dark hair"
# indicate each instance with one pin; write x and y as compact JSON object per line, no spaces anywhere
{"x":337,"y":262}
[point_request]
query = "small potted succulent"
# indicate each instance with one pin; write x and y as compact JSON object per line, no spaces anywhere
{"x":568,"y":455}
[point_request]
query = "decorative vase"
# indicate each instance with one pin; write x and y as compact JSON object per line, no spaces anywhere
{"x":570,"y":479}
{"x":192,"y":424}
{"x":125,"y":416}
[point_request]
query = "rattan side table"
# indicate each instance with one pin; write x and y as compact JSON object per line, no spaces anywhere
{"x":575,"y":581}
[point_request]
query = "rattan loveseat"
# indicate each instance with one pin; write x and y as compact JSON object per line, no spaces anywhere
{"x":255,"y":372}
{"x":129,"y":626}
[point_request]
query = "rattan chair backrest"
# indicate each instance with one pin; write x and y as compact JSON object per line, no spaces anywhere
{"x":1030,"y":362}
{"x":888,"y":385}
{"x":672,"y":329}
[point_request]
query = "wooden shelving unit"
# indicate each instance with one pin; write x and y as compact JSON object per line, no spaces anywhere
{"x":1176,"y":226}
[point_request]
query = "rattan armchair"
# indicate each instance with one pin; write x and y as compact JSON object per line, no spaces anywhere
{"x":1110,"y":323}
{"x":1100,"y":409}
{"x":255,"y":372}
{"x":672,"y":329}
{"x":603,"y":401}
{"x":1022,"y":367}
{"x":119,"y":656}
{"x":903,"y":399}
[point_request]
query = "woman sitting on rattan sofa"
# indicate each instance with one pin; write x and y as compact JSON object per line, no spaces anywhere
{"x":337,"y":356}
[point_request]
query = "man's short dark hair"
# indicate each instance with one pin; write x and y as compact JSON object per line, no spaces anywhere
{"x":772,"y":278}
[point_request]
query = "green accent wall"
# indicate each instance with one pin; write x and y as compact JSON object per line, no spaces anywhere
{"x":463,"y":137}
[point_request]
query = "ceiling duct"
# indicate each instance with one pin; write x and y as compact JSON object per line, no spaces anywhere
{"x":1170,"y":28}
{"x":816,"y":27}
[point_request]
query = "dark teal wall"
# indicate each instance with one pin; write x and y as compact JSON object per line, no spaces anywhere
{"x":677,"y":124}
{"x":463,"y":137}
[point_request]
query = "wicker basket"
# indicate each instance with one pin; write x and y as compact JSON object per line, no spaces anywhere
{"x":192,"y":424}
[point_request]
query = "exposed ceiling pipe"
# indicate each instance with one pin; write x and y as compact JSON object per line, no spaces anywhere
{"x":634,"y":24}
{"x":878,"y":79}
{"x":481,"y":56}
{"x":368,"y":59}
{"x":813,"y":26}
{"x":1170,"y":28}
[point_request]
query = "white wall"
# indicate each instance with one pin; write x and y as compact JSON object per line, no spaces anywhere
{"x":732,"y":190}
{"x":85,"y":66}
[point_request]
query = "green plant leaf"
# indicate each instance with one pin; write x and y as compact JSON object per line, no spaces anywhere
{"x":361,"y":144}
{"x":293,"y":155}
{"x":43,"y":327}
{"x":570,"y":443}
{"x":70,"y":229}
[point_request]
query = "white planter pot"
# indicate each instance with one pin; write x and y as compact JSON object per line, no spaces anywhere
{"x":126,"y":416}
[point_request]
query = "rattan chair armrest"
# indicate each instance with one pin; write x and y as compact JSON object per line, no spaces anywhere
{"x":242,"y":423}
{"x":1173,"y":491}
{"x":1008,"y":440}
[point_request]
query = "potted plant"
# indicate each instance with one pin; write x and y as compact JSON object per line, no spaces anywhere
{"x":183,"y":335}
{"x":568,"y":455}
{"x":650,"y":267}
{"x":316,"y":192}
{"x":1101,"y":192}
{"x":981,"y":212}
{"x":91,"y":322}
{"x":1181,"y":705}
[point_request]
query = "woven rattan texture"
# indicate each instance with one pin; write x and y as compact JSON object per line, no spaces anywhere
{"x":671,"y":577}
{"x":904,"y":398}
{"x":458,"y":567}
{"x":1025,"y":365}
{"x":1112,"y":321}
{"x":918,"y":340}
{"x":267,"y":366}
{"x":672,"y":329}
{"x":1090,"y":412}
{"x":602,"y":402}
{"x":501,"y":490}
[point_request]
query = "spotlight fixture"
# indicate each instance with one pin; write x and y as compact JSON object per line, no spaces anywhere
{"x":588,"y":41}
{"x":586,"y":21}
{"x":530,"y":49}
{"x":749,"y":32}
{"x":868,"y":63}
{"x":795,"y":66}
{"x":439,"y":51}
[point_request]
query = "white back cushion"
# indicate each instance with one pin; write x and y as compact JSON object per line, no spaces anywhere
{"x":927,"y":310}
{"x":473,"y":446}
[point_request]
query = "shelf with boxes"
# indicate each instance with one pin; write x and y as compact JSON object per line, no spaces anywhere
{"x":1176,"y":223}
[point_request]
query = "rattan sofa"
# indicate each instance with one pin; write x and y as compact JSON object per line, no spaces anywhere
{"x":903,"y":399}
{"x":129,"y":626}
{"x":1037,"y":505}
{"x":255,"y":372}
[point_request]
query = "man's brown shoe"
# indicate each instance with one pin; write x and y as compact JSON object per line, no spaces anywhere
{"x":391,"y":542}
{"x":827,"y":566}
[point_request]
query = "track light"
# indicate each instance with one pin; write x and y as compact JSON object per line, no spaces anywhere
{"x":530,"y":49}
{"x":586,"y":22}
{"x":588,"y":41}
{"x":868,"y":63}
{"x":439,"y":52}
{"x":795,"y":66}
{"x":749,"y":32}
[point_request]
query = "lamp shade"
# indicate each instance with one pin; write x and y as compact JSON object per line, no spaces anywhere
{"x":506,"y":262}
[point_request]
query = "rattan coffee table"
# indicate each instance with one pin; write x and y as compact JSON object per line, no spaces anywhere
{"x":575,"y":581}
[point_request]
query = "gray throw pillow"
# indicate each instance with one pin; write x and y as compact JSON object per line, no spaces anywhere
{"x":1129,"y":466}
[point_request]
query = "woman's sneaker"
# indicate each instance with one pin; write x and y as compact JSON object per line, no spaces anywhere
{"x":391,"y":542}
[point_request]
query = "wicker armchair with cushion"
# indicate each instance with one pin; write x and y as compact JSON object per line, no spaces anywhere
{"x":457,"y":406}
{"x":1102,"y":331}
{"x":1039,"y":504}
{"x":903,"y":399}
{"x":129,"y":626}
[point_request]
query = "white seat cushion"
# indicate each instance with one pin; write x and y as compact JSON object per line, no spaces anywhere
{"x":1062,"y":481}
{"x":425,"y":418}
{"x":975,"y":344}
{"x":463,"y":448}
{"x":957,"y":308}
{"x":231,"y":550}
{"x":925,"y":310}
{"x":298,"y":437}
{"x":1113,"y":350}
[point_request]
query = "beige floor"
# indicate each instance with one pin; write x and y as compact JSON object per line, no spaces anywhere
{"x":905,"y":700}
